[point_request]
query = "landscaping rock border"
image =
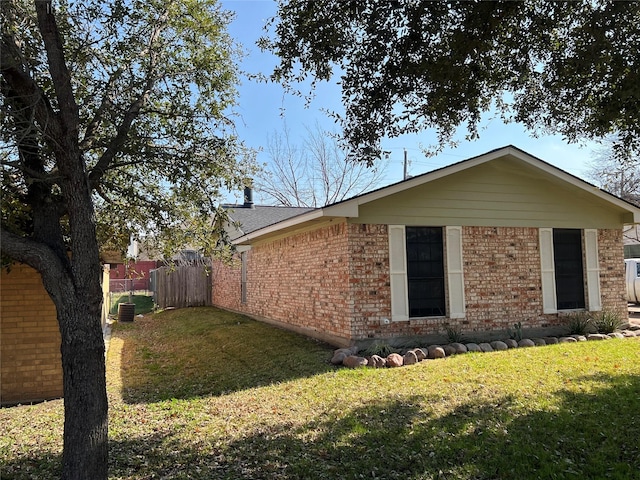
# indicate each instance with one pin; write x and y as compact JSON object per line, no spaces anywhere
{"x":348,"y":357}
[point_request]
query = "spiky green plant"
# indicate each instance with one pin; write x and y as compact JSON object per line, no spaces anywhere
{"x":579,"y":323}
{"x":455,"y":335}
{"x":379,"y":348}
{"x":607,"y":321}
{"x":516,"y":333}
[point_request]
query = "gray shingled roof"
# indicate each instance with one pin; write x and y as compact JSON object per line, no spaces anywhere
{"x":260,"y":216}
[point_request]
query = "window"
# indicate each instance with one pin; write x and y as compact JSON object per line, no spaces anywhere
{"x":425,"y":271}
{"x":561,"y":249}
{"x":569,"y":272}
{"x":417,"y":259}
{"x":563,"y":272}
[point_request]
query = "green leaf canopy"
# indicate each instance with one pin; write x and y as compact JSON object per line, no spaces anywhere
{"x":153,"y":82}
{"x":558,"y":67}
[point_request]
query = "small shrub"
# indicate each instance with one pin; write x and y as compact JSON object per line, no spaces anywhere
{"x":516,"y":333}
{"x":607,"y":322}
{"x":381,"y":349}
{"x":579,"y":323}
{"x":454,"y":335}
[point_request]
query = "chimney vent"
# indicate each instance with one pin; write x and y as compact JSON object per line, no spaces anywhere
{"x":248,"y":197}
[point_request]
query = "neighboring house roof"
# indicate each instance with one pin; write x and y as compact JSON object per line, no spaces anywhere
{"x":503,"y":187}
{"x":250,"y":218}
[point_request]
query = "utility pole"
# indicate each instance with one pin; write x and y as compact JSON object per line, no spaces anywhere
{"x":404,"y":177}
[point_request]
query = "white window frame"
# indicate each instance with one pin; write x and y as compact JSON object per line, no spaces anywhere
{"x":398,"y":273}
{"x":243,"y":278}
{"x":547,"y":267}
{"x":454,"y":272}
{"x":591,"y":270}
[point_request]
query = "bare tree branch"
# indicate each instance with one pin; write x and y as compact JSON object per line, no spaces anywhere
{"x":317,"y":174}
{"x":20,"y":84}
{"x":68,"y":108}
{"x":134,"y":109}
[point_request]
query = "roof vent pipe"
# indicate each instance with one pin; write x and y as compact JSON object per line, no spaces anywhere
{"x":248,"y":197}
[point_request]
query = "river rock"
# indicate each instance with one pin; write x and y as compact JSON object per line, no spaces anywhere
{"x":394,"y":360}
{"x":485,"y":347}
{"x":567,"y":340}
{"x":460,"y":348}
{"x":597,"y":336}
{"x":353,"y":361}
{"x":376,"y":361}
{"x":473,"y":347}
{"x":420,"y":353}
{"x":526,"y":342}
{"x":449,"y":350}
{"x":338,"y":358}
{"x":410,"y":358}
{"x":436,"y":351}
{"x":511,"y":343}
{"x":499,"y":346}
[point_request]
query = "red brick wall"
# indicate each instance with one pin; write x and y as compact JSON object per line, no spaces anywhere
{"x":502,"y":277}
{"x":225,"y":285}
{"x":321,"y":279}
{"x":612,"y":272}
{"x":370,"y":287}
{"x":30,"y":363}
{"x":300,"y":281}
{"x":503,"y":285}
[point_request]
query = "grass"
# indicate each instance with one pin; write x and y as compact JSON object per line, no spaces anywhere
{"x":144,"y":303}
{"x":204,"y":394}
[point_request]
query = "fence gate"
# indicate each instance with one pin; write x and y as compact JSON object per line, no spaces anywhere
{"x":185,"y":286}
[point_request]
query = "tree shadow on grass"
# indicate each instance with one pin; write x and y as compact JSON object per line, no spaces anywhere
{"x":592,"y":435}
{"x":198,"y":352}
{"x":582,"y":435}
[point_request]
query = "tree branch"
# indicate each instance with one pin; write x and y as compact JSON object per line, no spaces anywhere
{"x":60,"y":75}
{"x":30,"y":252}
{"x":133,"y":111}
{"x":22,"y":85}
{"x":92,"y":128}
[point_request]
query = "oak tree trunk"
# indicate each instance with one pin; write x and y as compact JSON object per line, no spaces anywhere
{"x":85,"y":399}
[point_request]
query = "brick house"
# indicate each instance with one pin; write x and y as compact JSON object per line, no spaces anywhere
{"x":30,"y":361}
{"x":479,"y":245}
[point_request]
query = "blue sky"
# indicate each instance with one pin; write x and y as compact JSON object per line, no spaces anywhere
{"x":264,"y":109}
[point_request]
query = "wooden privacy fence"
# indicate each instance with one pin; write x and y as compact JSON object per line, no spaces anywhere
{"x":185,"y":286}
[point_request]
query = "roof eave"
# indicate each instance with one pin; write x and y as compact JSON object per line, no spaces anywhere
{"x":311,"y":216}
{"x":350,"y":208}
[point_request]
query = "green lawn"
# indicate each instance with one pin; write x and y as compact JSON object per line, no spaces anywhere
{"x":143,"y":303}
{"x":204,"y":394}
